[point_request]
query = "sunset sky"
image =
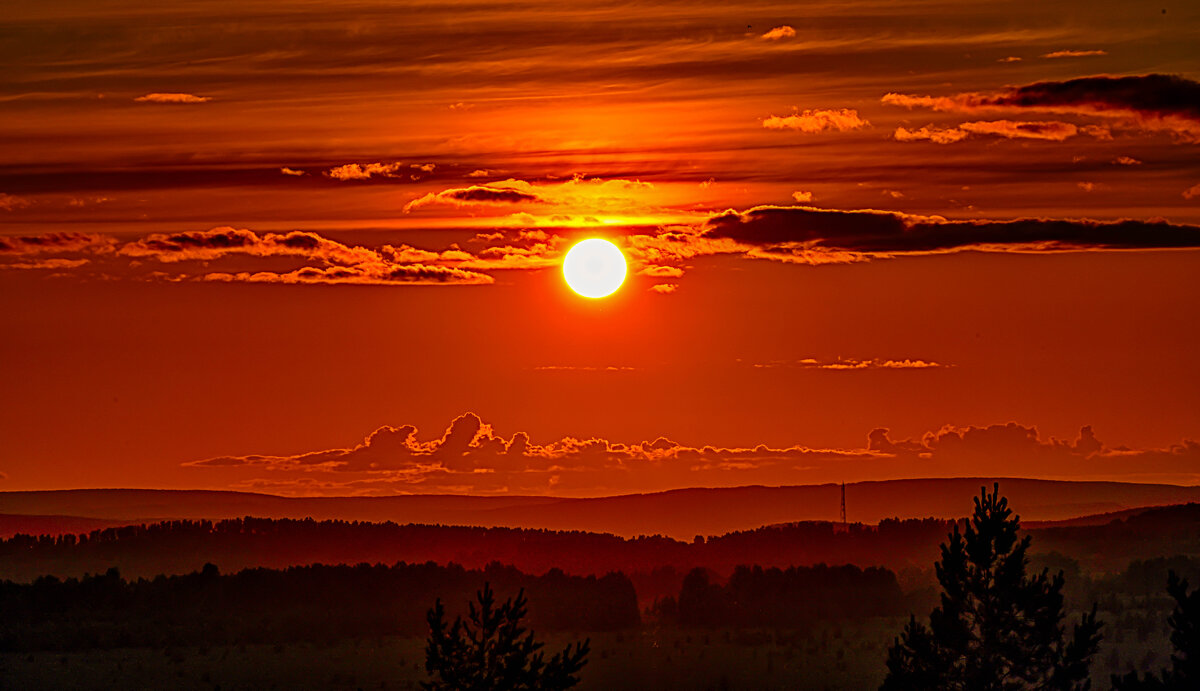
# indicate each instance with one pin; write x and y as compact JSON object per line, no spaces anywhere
{"x":314,"y":247}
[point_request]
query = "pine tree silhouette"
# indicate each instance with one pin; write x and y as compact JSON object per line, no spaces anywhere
{"x":1184,"y":674}
{"x":997,"y":629}
{"x":491,"y":651}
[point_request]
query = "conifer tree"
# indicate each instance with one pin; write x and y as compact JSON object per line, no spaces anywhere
{"x":491,"y":651}
{"x":1184,"y":674}
{"x":997,"y":628}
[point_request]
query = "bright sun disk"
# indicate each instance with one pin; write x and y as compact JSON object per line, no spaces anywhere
{"x":594,"y":268}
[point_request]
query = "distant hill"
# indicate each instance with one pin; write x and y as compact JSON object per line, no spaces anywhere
{"x":680,"y":514}
{"x":21,"y":524}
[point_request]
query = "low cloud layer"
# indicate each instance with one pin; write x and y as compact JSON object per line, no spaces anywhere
{"x":1154,"y":101}
{"x":471,"y":456}
{"x":803,"y":232}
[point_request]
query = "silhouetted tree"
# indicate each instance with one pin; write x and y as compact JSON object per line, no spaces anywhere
{"x":997,"y":629}
{"x":1185,"y":636}
{"x":492,"y":651}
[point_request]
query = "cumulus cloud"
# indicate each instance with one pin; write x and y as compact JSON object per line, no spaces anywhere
{"x":1154,"y":101}
{"x":292,"y":171}
{"x":779,"y":33}
{"x":802,"y":197}
{"x":364,"y":171}
{"x":470,"y":455}
{"x":664,"y":288}
{"x":1192,"y":192}
{"x":173,"y":98}
{"x":1126,"y":161}
{"x":931,"y":134}
{"x":469,"y":446}
{"x":812,"y":121}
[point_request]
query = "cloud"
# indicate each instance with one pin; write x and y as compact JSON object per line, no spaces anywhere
{"x":780,"y":33}
{"x":851,"y":364}
{"x":381,"y":274}
{"x":802,"y":197}
{"x":1050,"y":131}
{"x":475,"y":194}
{"x":470,"y":447}
{"x":11,"y":202}
{"x":1011,"y":58}
{"x":1086,"y":186}
{"x":1074,"y":54}
{"x":1192,"y":192}
{"x":932,"y":134}
{"x":364,"y":171}
{"x":329,"y":261}
{"x":579,"y":200}
{"x":1009,"y":129}
{"x":207,"y":245}
{"x":664,"y":288}
{"x":661,"y":271}
{"x":1126,"y":161}
{"x":812,"y":121}
{"x":479,"y":173}
{"x":470,"y":456}
{"x":172,"y":98}
{"x":292,"y":171}
{"x":1153,"y":101}
{"x":56,"y":243}
{"x":57,"y":263}
{"x":804,"y":233}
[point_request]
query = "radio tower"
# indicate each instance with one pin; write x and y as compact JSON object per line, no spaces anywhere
{"x":843,"y":503}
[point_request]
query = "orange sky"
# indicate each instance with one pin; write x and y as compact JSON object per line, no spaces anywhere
{"x":253,"y":245}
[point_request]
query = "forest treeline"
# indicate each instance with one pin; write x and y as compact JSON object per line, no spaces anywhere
{"x":173,"y":546}
{"x":785,"y":598}
{"x":308,"y":603}
{"x":657,"y":564}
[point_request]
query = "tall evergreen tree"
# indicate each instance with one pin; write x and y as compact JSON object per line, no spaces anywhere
{"x":997,"y":628}
{"x":491,"y":651}
{"x":1184,"y":674}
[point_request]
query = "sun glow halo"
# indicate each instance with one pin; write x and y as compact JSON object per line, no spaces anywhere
{"x":594,"y":268}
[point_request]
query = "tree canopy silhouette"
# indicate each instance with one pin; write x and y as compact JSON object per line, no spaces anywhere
{"x":491,"y":651}
{"x":1184,"y":674}
{"x":997,"y":629}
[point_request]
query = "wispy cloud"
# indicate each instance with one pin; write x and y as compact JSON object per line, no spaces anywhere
{"x":173,"y":98}
{"x":851,"y":364}
{"x":1074,"y":54}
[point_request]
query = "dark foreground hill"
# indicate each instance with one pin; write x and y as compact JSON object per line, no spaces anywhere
{"x":681,"y":514}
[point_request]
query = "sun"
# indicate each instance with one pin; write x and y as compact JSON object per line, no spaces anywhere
{"x":594,"y":268}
